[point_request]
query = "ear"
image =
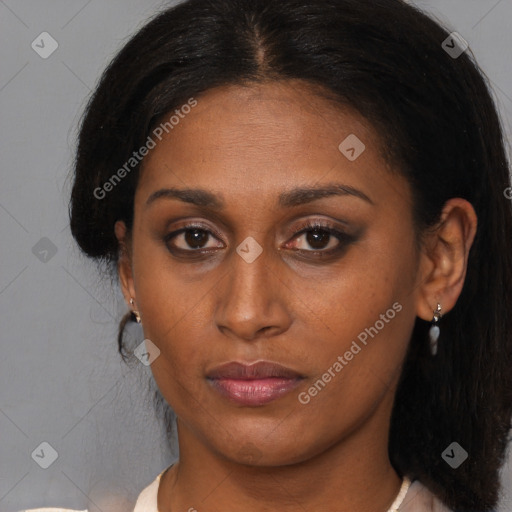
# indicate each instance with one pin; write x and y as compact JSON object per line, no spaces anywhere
{"x":124,"y":265}
{"x":444,"y":258}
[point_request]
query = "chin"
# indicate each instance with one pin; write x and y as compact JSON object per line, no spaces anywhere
{"x":265,"y":453}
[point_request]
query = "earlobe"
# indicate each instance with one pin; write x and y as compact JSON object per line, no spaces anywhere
{"x":445,"y":258}
{"x":124,"y":264}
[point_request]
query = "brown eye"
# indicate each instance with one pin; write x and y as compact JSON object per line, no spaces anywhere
{"x":318,"y":238}
{"x":191,"y":239}
{"x":196,"y":238}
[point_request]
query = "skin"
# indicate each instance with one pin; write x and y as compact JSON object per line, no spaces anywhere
{"x":248,"y":145}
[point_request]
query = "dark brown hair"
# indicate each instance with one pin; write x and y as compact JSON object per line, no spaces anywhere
{"x":439,"y":124}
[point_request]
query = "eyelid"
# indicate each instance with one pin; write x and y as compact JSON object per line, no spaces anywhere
{"x":325,"y":224}
{"x":342,"y":237}
{"x":189,"y":225}
{"x":310,"y":223}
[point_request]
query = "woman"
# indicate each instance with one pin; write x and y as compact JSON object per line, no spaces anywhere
{"x":304,"y":201}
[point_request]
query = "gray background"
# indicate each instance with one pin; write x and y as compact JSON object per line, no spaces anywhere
{"x":61,"y":379}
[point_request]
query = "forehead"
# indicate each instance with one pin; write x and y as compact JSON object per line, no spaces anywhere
{"x":250,"y":137}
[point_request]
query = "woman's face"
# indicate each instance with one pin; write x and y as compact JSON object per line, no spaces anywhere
{"x":252,"y":281}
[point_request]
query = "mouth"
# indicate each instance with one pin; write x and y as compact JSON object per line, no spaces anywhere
{"x":253,"y":384}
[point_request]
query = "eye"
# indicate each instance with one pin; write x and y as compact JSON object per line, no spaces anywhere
{"x":191,"y":238}
{"x":319,"y":238}
{"x":316,"y":239}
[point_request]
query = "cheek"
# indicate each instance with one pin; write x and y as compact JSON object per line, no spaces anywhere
{"x":171,"y":308}
{"x":164,"y":294}
{"x":366,"y":315}
{"x":351,"y":298}
{"x":358,"y":358}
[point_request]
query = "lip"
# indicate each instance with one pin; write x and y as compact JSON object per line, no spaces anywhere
{"x":253,"y":384}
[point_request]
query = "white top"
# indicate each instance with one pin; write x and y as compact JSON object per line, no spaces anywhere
{"x":147,"y":500}
{"x":417,"y":499}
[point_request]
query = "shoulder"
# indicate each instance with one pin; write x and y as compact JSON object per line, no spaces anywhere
{"x":147,"y":500}
{"x":421,"y":499}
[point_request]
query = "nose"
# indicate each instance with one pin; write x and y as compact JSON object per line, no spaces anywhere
{"x":252,"y":299}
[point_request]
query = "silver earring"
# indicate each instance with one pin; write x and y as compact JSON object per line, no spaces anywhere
{"x":434,"y":331}
{"x":135,"y":312}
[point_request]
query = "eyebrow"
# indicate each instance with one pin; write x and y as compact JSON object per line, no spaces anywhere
{"x":288,"y":199}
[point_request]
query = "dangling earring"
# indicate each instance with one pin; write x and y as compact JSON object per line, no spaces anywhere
{"x":135,"y":313}
{"x":434,"y":331}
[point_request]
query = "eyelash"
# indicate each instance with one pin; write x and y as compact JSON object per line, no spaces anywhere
{"x":308,"y":226}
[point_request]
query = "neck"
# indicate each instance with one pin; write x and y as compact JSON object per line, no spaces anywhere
{"x":353,"y":474}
